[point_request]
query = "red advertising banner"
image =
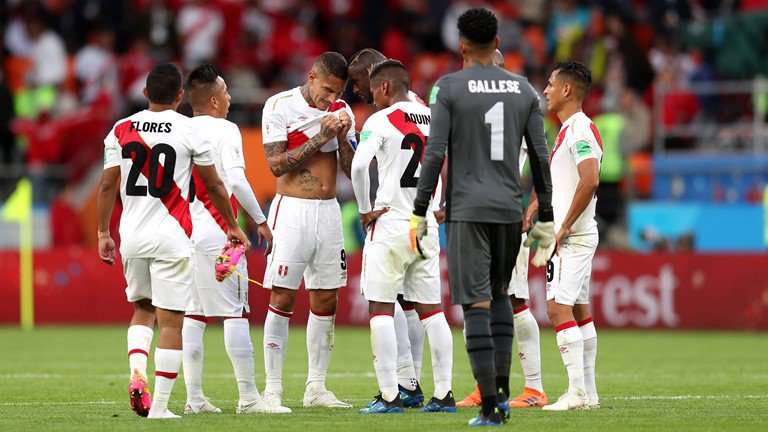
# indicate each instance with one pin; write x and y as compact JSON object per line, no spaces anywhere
{"x":683,"y":291}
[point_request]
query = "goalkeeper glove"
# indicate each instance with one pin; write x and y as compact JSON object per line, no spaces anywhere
{"x":417,"y":231}
{"x":544,"y":234}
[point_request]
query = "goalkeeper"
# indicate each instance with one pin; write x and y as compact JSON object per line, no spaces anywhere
{"x":479,"y":117}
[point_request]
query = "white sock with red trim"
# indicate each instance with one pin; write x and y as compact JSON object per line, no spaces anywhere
{"x":139,"y":342}
{"x":275,"y":346}
{"x":528,"y":347}
{"x":237,"y":341}
{"x":167,"y":364}
{"x":192,"y":346}
{"x":441,"y":348}
{"x":384,"y":347}
{"x":406,"y":373}
{"x":320,"y":337}
{"x":571,"y":346}
{"x":589,"y":334}
{"x":416,"y":334}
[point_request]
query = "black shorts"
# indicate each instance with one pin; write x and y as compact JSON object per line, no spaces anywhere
{"x":481,"y":257}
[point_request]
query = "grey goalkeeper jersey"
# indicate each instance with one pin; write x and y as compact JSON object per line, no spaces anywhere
{"x":480,"y":116}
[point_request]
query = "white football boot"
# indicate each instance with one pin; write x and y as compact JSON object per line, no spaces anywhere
{"x":316,"y":395}
{"x":568,"y":401}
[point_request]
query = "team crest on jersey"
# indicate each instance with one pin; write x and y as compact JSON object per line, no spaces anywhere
{"x":282,"y":270}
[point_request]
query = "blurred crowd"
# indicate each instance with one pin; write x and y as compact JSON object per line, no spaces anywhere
{"x":71,"y":67}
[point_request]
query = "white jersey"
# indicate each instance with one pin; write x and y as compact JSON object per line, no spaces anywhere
{"x":288,"y":117}
{"x":578,"y":140}
{"x":397,"y":137}
{"x":155,"y":152}
{"x":209,"y":233}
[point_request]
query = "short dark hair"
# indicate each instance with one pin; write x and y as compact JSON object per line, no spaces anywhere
{"x":576,"y":73}
{"x":164,"y":83}
{"x":200,"y":82}
{"x":332,"y":63}
{"x":393,"y":71}
{"x":366,"y":57}
{"x":479,"y":26}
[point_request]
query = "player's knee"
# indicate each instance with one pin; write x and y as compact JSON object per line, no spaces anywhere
{"x":479,"y":305}
{"x":516,"y":302}
{"x":323,"y":302}
{"x":426,"y":309}
{"x":282,"y":299}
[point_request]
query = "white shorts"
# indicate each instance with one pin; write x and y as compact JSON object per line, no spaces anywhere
{"x":211,"y":298}
{"x":518,"y":285}
{"x":390,"y":267}
{"x":308,"y":243}
{"x":570,"y":270}
{"x":165,"y":281}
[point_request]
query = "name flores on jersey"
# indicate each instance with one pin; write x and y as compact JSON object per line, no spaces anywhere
{"x":139,"y":126}
{"x":493,"y":86}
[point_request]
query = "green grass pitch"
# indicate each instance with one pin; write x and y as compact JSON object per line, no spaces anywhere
{"x":75,"y":378}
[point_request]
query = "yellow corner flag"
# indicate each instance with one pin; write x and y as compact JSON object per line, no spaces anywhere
{"x":18,"y":209}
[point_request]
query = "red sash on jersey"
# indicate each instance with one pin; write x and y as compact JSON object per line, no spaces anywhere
{"x":300,"y":133}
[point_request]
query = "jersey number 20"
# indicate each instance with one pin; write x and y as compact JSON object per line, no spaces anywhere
{"x":157,"y":187}
{"x":416,"y":143}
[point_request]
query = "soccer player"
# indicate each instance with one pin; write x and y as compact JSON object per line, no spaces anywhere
{"x":480,"y":116}
{"x":526,"y":328}
{"x":408,"y":327}
{"x":304,"y":129}
{"x":396,"y":136}
{"x":149,"y":157}
{"x":575,"y":164}
{"x":228,"y":300}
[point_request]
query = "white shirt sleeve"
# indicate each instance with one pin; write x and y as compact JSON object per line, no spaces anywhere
{"x":274,"y":126}
{"x":201,"y":148}
{"x":244,"y":194}
{"x":583,"y":144}
{"x":370,"y":141}
{"x":232,"y":151}
{"x":112,"y":151}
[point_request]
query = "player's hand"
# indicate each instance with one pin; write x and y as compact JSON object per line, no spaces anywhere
{"x":330,"y":125}
{"x":237,"y":235}
{"x":417,"y":232}
{"x":106,"y":248}
{"x":368,"y":218}
{"x":530,"y":212}
{"x":563,"y":233}
{"x":264,"y":235}
{"x":346,"y":124}
{"x":543,"y":233}
{"x":440,"y":216}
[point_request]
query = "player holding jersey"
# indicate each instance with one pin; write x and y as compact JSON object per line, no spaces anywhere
{"x":396,"y":136}
{"x":149,"y":157}
{"x":575,"y":165}
{"x":408,"y":327}
{"x":304,"y":129}
{"x":228,"y":300}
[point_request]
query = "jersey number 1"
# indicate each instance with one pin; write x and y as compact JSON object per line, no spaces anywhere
{"x":415,"y":143}
{"x":495,"y":118}
{"x":139,"y":153}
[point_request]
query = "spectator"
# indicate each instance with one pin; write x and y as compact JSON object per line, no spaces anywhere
{"x":49,"y":58}
{"x":199,"y":25}
{"x":96,"y":66}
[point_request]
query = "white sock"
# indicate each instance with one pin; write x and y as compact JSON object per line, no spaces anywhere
{"x":528,"y":347}
{"x":237,"y":341}
{"x":572,"y":351}
{"x":167,"y":363}
{"x":441,"y":347}
{"x":384,"y":348}
{"x":406,"y":373}
{"x":589,"y":334}
{"x":319,"y":347}
{"x":275,"y":346}
{"x":416,"y":334}
{"x":192,"y":346}
{"x":139,"y":342}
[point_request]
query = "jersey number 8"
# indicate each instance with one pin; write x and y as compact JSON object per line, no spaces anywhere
{"x":139,"y":153}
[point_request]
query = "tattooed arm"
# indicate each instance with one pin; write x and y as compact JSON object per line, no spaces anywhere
{"x":346,"y":152}
{"x":281,"y":160}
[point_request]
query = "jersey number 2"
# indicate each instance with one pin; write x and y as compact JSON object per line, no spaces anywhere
{"x":139,"y":154}
{"x":412,"y":142}
{"x":495,"y":118}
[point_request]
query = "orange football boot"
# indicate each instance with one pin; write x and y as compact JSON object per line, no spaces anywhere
{"x":473,"y":400}
{"x":530,"y":398}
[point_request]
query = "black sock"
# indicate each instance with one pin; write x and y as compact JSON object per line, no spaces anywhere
{"x":502,"y":331}
{"x":477,"y":323}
